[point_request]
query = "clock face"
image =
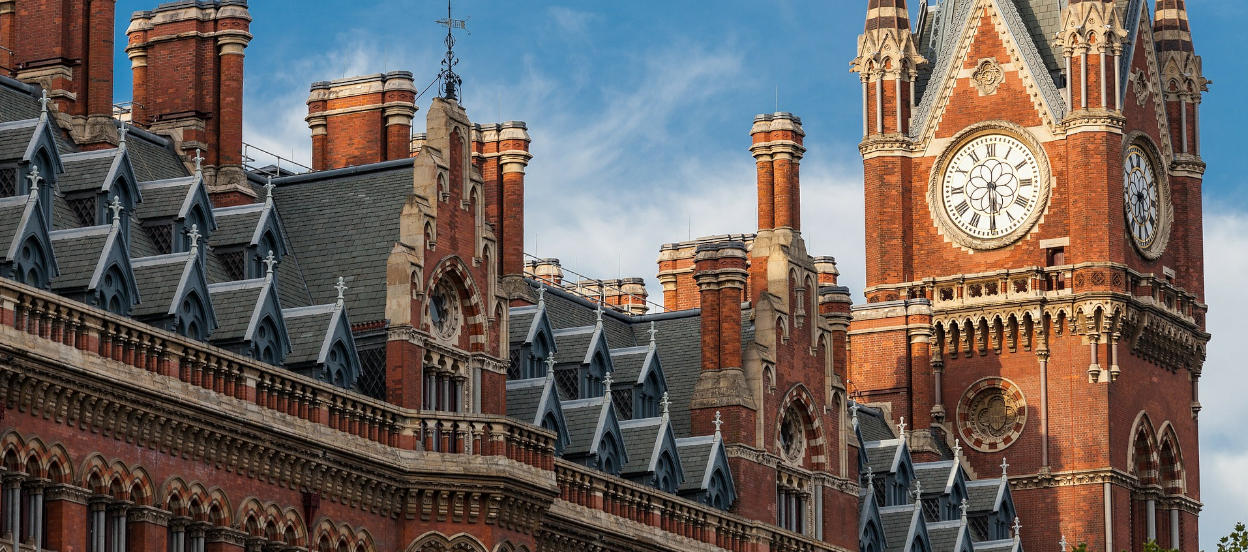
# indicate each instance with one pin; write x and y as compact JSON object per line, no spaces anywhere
{"x":1142,"y":197}
{"x":992,"y":187}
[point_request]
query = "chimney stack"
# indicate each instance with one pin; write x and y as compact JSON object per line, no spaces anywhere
{"x":677,"y":267}
{"x":721,"y":273}
{"x":187,"y":62}
{"x":500,"y":151}
{"x":626,"y":295}
{"x":776,"y":143}
{"x":67,"y":48}
{"x":545,"y":270}
{"x":361,"y":120}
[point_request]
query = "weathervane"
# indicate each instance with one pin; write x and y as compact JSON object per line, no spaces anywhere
{"x":450,"y":80}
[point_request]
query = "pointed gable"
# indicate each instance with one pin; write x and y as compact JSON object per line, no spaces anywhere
{"x":708,"y":477}
{"x":653,"y":456}
{"x":983,"y":30}
{"x":26,"y":252}
{"x":171,"y":207}
{"x":95,"y":268}
{"x":175,"y":294}
{"x":531,"y":341}
{"x":536,"y":401}
{"x":250,"y":318}
{"x":594,"y":434}
{"x":321,"y":344}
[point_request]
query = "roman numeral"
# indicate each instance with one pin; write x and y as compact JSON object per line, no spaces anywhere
{"x":974,"y":156}
{"x":975,"y":220}
{"x":1020,"y":165}
{"x":1024,"y":183}
{"x":1021,"y":201}
{"x":1008,"y":151}
{"x":957,"y":191}
{"x":992,"y":150}
{"x":1010,"y":215}
{"x":962,"y":208}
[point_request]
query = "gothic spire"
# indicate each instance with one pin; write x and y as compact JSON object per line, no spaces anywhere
{"x":1170,"y":27}
{"x":886,"y":35}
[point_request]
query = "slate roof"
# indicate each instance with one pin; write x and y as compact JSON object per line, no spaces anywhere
{"x":11,"y":213}
{"x":639,"y":439}
{"x":78,"y":251}
{"x":935,"y":476}
{"x":519,"y":321}
{"x":234,"y":303}
{"x":236,"y":225}
{"x":321,"y":214}
{"x":695,"y":458}
{"x":15,"y":138}
{"x":307,"y":328}
{"x":628,"y":364}
{"x":524,"y":397}
{"x":572,"y":344}
{"x":158,"y":279}
{"x":944,"y":535}
{"x":880,"y":455}
{"x":17,"y":102}
{"x":581,"y":417}
{"x":85,"y":171}
{"x":982,"y":495}
{"x":164,"y":198}
{"x":873,"y":426}
{"x":152,"y":156}
{"x":896,"y":521}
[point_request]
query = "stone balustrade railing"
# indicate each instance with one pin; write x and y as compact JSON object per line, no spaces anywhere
{"x":121,"y":339}
{"x":648,"y":506}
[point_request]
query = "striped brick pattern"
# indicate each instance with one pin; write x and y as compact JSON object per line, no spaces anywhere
{"x":1171,"y":28}
{"x":887,"y":14}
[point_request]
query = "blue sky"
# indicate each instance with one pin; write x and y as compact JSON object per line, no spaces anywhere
{"x":640,"y":112}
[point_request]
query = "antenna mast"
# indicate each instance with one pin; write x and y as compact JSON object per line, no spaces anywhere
{"x":450,"y":80}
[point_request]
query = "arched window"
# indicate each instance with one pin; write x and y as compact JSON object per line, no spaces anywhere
{"x":113,"y":293}
{"x":717,"y":490}
{"x":648,"y":397}
{"x":266,"y":244}
{"x":665,"y":473}
{"x":30,"y":266}
{"x":191,"y":321}
{"x":338,"y":364}
{"x":609,"y":455}
{"x":592,"y":377}
{"x":549,"y":422}
{"x":266,"y":344}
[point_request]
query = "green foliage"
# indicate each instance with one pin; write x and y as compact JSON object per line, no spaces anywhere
{"x":1237,"y":541}
{"x":1152,"y":546}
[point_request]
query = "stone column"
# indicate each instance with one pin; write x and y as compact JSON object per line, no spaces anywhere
{"x":66,"y":509}
{"x":98,"y":517}
{"x":34,"y":512}
{"x":117,"y":524}
{"x":13,"y":506}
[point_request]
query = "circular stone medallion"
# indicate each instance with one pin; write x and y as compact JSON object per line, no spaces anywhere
{"x":991,"y":414}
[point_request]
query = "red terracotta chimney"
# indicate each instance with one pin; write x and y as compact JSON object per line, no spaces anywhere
{"x":776,"y":142}
{"x":187,"y":61}
{"x":66,"y":47}
{"x":361,"y":120}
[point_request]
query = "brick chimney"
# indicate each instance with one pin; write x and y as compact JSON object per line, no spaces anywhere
{"x":626,"y":295}
{"x":67,"y":48}
{"x":187,"y":60}
{"x":501,"y":152}
{"x":676,"y":269}
{"x":361,"y":120}
{"x":721,"y":271}
{"x":776,"y":142}
{"x":545,"y":270}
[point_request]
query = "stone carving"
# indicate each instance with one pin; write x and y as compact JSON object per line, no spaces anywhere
{"x":1142,"y":85}
{"x":988,"y":76}
{"x":991,"y":414}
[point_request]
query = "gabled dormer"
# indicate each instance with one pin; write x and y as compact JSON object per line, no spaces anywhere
{"x":583,"y":361}
{"x":171,"y":207}
{"x":594,"y":434}
{"x":654,"y":459}
{"x":639,"y":381}
{"x":29,"y":158}
{"x":950,"y":536}
{"x":536,"y":401}
{"x":245,"y":234}
{"x":870,"y":526}
{"x":991,"y":509}
{"x":92,"y":179}
{"x":944,"y":489}
{"x":892,"y":469}
{"x":904,"y":528}
{"x":322,"y":346}
{"x":708,"y":478}
{"x":175,"y":294}
{"x":532,"y":340}
{"x":26,"y":253}
{"x":95,"y":268}
{"x":250,"y":318}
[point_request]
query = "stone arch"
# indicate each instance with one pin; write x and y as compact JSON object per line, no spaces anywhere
{"x":1142,"y":457}
{"x":139,"y":489}
{"x":434,"y":541}
{"x":1172,"y":474}
{"x":470,"y":298}
{"x":95,"y":474}
{"x":251,"y":517}
{"x":59,"y":469}
{"x":799,"y":399}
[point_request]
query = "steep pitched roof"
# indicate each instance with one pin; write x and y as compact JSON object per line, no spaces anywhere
{"x":159,"y":279}
{"x":79,"y":253}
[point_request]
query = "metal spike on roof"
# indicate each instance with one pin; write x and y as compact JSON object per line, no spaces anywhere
{"x":653,"y":332}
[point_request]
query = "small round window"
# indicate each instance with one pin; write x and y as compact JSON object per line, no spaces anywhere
{"x":444,"y":311}
{"x":792,"y":436}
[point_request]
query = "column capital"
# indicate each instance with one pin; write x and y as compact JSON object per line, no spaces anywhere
{"x":67,"y":493}
{"x":227,"y":536}
{"x":149,"y":515}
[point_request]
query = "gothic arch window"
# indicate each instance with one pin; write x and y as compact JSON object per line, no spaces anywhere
{"x":717,"y":495}
{"x":1171,"y":467}
{"x":191,"y":319}
{"x":266,"y":244}
{"x":266,"y":344}
{"x":609,"y":455}
{"x":665,"y":476}
{"x":113,"y":292}
{"x":592,"y":376}
{"x":551,"y":423}
{"x":338,"y":365}
{"x":31,"y":265}
{"x":648,"y":397}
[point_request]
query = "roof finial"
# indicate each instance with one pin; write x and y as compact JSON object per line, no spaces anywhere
{"x":1018,"y":528}
{"x":1005,"y":466}
{"x":901,"y":428}
{"x":606,"y":384}
{"x":199,"y":162}
{"x":268,"y":191}
{"x":270,"y":262}
{"x":342,"y":288}
{"x":853,"y":414}
{"x":598,"y":316}
{"x":957,"y":449}
{"x":718,"y":422}
{"x":116,"y":208}
{"x":550,"y":366}
{"x":652,"y":332}
{"x":43,"y":104}
{"x":870,"y":477}
{"x":964,"y":507}
{"x":121,"y":136}
{"x":450,"y":80}
{"x":1062,"y":544}
{"x":194,"y":236}
{"x":541,"y":294}
{"x":918,"y":491}
{"x":665,"y":404}
{"x":34,"y":179}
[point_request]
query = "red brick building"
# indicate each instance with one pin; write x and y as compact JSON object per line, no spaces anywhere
{"x":199,"y":355}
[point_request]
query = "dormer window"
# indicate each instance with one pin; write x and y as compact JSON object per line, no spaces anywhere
{"x":233,"y":263}
{"x":84,"y":208}
{"x":8,"y":181}
{"x":162,"y":236}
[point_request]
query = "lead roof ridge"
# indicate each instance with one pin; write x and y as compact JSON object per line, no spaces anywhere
{"x":336,"y":173}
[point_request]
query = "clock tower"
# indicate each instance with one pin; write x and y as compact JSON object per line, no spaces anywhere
{"x":1035,"y":274}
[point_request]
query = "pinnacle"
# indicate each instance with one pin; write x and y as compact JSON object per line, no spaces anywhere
{"x":1171,"y":26}
{"x":887,"y":14}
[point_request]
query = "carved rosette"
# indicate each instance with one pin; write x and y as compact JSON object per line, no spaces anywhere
{"x":988,"y":76}
{"x":991,"y":414}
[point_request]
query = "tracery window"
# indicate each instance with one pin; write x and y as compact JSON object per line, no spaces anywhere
{"x":8,"y":181}
{"x":266,"y":344}
{"x":113,"y":293}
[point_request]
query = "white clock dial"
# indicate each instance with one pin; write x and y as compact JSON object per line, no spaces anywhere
{"x":1142,"y":197}
{"x":992,"y":187}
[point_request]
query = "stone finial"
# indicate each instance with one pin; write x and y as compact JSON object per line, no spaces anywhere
{"x":606,"y":385}
{"x":550,"y":366}
{"x":194,"y":236}
{"x":270,"y":263}
{"x":199,"y":161}
{"x":1005,"y":466}
{"x":268,"y":190}
{"x":34,"y":179}
{"x":870,"y":475}
{"x":541,"y":294}
{"x":1018,"y":529}
{"x":918,"y":491}
{"x":1062,"y":544}
{"x":718,"y":421}
{"x":341,"y":286}
{"x":957,"y":449}
{"x":901,"y":428}
{"x":652,"y":331}
{"x":116,"y":208}
{"x":121,"y":137}
{"x":43,"y":104}
{"x":665,"y":404}
{"x":598,"y":316}
{"x":964,"y":507}
{"x":853,"y":414}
